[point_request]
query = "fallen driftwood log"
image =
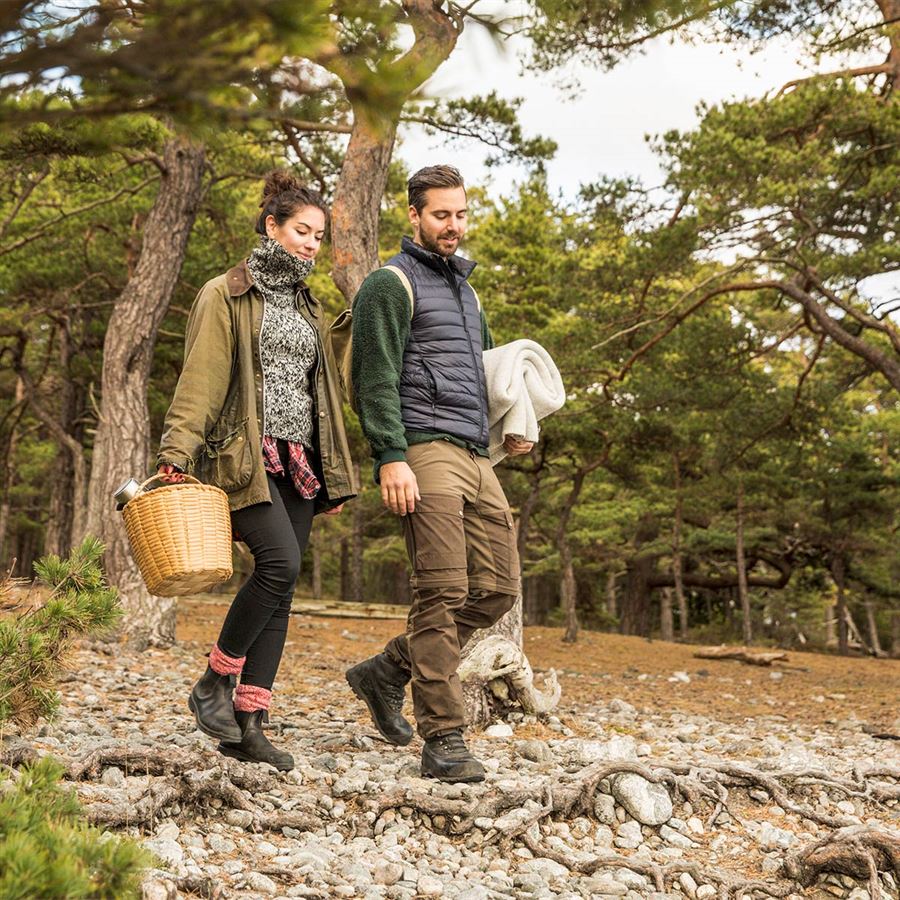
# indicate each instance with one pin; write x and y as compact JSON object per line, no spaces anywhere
{"x":349,"y":610}
{"x":742,"y":654}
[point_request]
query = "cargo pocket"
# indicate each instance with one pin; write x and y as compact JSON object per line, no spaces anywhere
{"x":229,"y":460}
{"x":501,"y":533}
{"x":436,"y":538}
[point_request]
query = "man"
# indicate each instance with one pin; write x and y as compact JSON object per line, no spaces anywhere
{"x":419,"y":383}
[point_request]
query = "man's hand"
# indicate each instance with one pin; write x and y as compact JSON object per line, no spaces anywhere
{"x":334,"y":511}
{"x":399,"y":489}
{"x":516,"y":446}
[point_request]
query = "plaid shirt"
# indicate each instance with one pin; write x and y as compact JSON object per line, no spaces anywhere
{"x":301,"y":472}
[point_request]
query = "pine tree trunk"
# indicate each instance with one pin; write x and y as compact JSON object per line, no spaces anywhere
{"x":636,"y":598}
{"x":315,"y":551}
{"x":8,"y":474}
{"x":677,"y":566}
{"x":666,"y":625}
{"x":743,"y":591}
{"x":611,"y":595}
{"x":831,"y":612}
{"x":568,"y":593}
{"x":356,"y":566}
{"x":567,"y":587}
{"x":345,"y":569}
{"x":837,"y":573}
{"x":895,"y":634}
{"x":874,"y":641}
{"x":121,"y":446}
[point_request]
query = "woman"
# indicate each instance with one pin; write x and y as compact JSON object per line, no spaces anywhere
{"x":257,"y":412}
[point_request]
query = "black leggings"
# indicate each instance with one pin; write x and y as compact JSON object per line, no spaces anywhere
{"x":256,"y":624}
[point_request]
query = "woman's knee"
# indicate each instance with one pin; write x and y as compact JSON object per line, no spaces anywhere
{"x":277,"y":572}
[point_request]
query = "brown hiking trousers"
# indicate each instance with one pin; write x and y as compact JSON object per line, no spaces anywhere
{"x":461,"y":542}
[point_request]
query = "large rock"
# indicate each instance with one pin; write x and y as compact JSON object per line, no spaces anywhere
{"x":649,"y":803}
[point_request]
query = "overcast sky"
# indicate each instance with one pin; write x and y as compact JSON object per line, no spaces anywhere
{"x":603,"y":130}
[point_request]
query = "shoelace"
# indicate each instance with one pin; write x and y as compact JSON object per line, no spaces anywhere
{"x":453,"y":743}
{"x":394,"y":694}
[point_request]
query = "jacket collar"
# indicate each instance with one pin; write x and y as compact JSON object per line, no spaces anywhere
{"x":240,"y":281}
{"x":459,"y":264}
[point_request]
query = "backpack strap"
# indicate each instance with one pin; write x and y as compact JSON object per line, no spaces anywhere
{"x":406,"y":284}
{"x":409,"y":290}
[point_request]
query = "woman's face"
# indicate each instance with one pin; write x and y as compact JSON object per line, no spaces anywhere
{"x":302,"y":232}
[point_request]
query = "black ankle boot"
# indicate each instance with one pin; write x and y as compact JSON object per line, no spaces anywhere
{"x":447,"y":758}
{"x":212,"y":705}
{"x":254,"y":746}
{"x":382,"y":685}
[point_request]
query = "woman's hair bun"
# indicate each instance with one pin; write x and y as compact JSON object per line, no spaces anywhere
{"x":278,"y":181}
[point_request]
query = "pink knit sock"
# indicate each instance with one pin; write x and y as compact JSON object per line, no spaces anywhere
{"x":249,"y":698}
{"x":223,"y":664}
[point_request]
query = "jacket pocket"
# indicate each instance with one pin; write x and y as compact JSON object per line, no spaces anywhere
{"x":228,"y":462}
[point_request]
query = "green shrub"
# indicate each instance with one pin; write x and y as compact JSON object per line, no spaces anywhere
{"x":48,"y":851}
{"x":33,"y":644}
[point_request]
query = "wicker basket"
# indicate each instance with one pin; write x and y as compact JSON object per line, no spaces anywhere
{"x":180,"y":535}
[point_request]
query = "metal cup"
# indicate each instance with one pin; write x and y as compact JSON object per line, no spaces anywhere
{"x":126,"y":492}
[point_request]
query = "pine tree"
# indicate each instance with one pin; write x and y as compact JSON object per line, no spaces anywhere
{"x":33,"y":644}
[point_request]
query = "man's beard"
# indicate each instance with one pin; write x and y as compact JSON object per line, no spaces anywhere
{"x":433,"y":244}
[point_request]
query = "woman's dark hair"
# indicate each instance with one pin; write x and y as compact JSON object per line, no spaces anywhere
{"x":283,"y":195}
{"x":431,"y":177}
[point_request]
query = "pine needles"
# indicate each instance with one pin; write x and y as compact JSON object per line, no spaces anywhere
{"x":33,"y":643}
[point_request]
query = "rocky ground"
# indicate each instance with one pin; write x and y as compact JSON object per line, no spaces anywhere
{"x":636,"y":788}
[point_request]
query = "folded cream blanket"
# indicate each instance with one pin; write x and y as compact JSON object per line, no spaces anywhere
{"x":523,"y":387}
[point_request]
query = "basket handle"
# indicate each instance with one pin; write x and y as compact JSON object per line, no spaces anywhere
{"x":156,"y":477}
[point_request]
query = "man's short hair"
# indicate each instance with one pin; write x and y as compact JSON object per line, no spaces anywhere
{"x":431,"y":177}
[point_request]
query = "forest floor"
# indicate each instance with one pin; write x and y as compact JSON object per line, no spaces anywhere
{"x":659,"y":775}
{"x":812,"y":687}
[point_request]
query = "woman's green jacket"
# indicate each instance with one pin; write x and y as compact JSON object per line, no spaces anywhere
{"x":215,"y":425}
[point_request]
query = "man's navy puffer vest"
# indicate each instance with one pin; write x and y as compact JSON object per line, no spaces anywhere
{"x":442,"y":385}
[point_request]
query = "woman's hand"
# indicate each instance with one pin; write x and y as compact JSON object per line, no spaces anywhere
{"x":168,"y":474}
{"x":334,"y":511}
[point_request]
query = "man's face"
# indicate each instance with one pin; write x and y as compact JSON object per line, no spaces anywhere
{"x":440,"y":225}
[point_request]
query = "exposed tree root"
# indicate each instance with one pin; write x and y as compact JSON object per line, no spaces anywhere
{"x":197,"y":779}
{"x":146,"y":761}
{"x":657,"y":873}
{"x":224,"y":783}
{"x":858,"y":851}
{"x":17,"y":756}
{"x":737,"y":773}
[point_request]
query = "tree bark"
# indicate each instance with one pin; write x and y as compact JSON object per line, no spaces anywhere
{"x":872,"y":625}
{"x":360,"y":187}
{"x":743,"y":592}
{"x":676,"y":557}
{"x":345,"y":569}
{"x":315,"y":551}
{"x":121,"y":445}
{"x":895,"y":634}
{"x":611,"y":595}
{"x":837,"y":573}
{"x":356,"y":565}
{"x":890,"y":10}
{"x":666,"y":625}
{"x":567,"y":586}
{"x":9,"y":471}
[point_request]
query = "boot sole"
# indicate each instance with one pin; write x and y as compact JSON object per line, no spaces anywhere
{"x":234,"y":753}
{"x":218,"y":735}
{"x":354,"y":680}
{"x":471,"y":779}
